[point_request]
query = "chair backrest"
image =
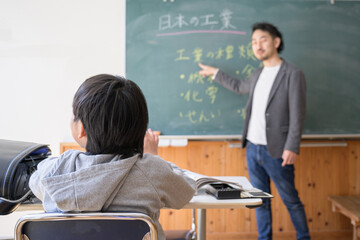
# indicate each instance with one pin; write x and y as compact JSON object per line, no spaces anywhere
{"x":85,"y":226}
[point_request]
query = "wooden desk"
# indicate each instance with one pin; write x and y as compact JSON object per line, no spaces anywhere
{"x":350,"y":207}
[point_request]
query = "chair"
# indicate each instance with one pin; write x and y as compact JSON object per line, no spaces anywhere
{"x":85,"y":226}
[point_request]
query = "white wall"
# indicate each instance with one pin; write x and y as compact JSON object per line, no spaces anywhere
{"x":47,"y":49}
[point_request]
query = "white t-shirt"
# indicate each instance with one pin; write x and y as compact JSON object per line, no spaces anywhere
{"x":257,"y":124}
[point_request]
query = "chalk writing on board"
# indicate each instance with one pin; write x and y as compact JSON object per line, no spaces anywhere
{"x":200,"y":93}
{"x":207,"y":23}
{"x":226,"y":16}
{"x":222,"y":53}
{"x":201,"y":116}
{"x":196,"y":96}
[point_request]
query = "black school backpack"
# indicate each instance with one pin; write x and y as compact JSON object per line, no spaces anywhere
{"x":18,"y":160}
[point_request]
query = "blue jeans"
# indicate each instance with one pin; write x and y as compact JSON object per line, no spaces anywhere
{"x":261,"y":168}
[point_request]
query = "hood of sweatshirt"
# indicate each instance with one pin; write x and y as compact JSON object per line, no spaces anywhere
{"x":83,"y":182}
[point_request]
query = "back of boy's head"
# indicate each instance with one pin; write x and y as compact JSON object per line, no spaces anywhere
{"x":114,"y":114}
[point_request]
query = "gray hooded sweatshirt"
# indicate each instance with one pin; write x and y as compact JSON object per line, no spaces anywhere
{"x":76,"y":181}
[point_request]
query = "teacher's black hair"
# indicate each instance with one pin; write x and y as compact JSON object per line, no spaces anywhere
{"x":274,"y":32}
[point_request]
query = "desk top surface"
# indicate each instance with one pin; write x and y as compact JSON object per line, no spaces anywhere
{"x":204,"y":200}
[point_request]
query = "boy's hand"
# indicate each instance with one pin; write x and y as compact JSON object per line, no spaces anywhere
{"x":151,"y":142}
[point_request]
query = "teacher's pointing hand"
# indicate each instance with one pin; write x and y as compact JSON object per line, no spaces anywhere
{"x":206,"y":70}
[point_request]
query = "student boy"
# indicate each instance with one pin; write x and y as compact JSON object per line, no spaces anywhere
{"x":119,"y":170}
{"x":272,"y":130}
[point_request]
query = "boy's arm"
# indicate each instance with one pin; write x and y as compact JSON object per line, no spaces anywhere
{"x":172,"y":186}
{"x":43,"y":169}
{"x":36,"y":186}
{"x":180,"y":189}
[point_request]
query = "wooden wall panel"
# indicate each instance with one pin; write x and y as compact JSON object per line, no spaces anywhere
{"x":319,"y":173}
{"x":354,"y":168}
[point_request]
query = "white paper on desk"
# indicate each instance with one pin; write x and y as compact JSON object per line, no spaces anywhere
{"x":244,"y":182}
{"x":202,"y":180}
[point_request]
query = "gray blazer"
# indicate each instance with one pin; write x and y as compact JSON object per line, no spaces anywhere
{"x":285,"y":111}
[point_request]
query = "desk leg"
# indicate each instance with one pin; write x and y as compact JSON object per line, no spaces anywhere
{"x":201,"y":224}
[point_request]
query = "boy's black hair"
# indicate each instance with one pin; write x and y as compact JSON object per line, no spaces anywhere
{"x":274,"y":32}
{"x":114,"y":114}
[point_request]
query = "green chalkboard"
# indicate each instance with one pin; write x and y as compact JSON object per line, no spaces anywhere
{"x":166,"y":39}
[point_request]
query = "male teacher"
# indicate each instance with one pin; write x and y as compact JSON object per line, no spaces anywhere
{"x":272,"y":129}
